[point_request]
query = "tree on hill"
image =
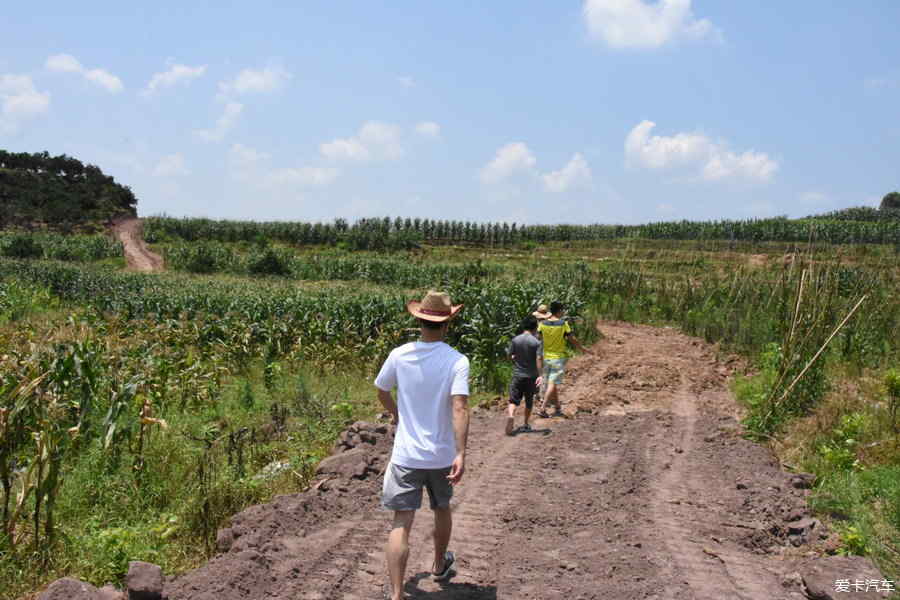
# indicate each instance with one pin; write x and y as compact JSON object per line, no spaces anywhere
{"x":891,"y":201}
{"x":58,"y":191}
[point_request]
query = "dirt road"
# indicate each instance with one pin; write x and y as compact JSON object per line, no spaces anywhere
{"x":648,"y":492}
{"x":137,"y":254}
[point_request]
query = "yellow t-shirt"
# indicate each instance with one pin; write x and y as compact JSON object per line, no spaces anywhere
{"x":553,"y":333}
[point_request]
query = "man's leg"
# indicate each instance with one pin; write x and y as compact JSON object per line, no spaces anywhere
{"x":545,"y":389}
{"x":529,"y":401}
{"x":552,"y":396}
{"x":398,"y":550}
{"x":443,"y":527}
{"x":515,"y":398}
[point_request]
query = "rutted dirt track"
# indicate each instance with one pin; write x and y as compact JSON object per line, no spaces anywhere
{"x":137,"y":254}
{"x":648,"y":492}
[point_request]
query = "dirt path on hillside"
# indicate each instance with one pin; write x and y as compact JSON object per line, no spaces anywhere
{"x":648,"y":492}
{"x":137,"y":255}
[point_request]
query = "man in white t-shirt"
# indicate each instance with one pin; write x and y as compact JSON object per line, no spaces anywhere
{"x":432,"y":416}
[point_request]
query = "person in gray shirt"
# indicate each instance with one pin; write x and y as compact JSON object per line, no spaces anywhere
{"x":526,"y":353}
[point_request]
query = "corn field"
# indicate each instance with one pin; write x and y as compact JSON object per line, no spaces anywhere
{"x":125,"y":402}
{"x":387,"y":233}
{"x":56,"y":246}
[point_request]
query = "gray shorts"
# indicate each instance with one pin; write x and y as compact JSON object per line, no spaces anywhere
{"x":403,"y":488}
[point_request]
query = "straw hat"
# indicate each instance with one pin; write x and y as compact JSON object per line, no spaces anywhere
{"x":542,"y":312}
{"x":435,"y":307}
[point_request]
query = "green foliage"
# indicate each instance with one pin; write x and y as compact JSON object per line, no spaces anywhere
{"x":58,"y":191}
{"x":839,"y":453}
{"x":18,"y":299}
{"x":111,"y":548}
{"x":891,"y":201}
{"x":270,"y":262}
{"x":80,"y":248}
{"x":388,"y":234}
{"x":22,"y":246}
{"x":864,"y":213}
{"x":853,"y":542}
{"x":218,"y":257}
{"x":892,"y":386}
{"x":201,"y":258}
{"x":193,"y":397}
{"x":865,"y":507}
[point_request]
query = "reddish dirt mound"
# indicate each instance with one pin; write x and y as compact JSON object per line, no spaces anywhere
{"x":137,"y":254}
{"x":650,"y":492}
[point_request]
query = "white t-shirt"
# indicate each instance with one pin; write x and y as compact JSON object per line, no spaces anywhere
{"x":426,"y":375}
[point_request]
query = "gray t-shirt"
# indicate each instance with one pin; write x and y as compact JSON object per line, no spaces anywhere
{"x":524,"y":348}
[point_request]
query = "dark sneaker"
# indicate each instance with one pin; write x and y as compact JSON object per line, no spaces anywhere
{"x":525,"y":428}
{"x":447,"y":572}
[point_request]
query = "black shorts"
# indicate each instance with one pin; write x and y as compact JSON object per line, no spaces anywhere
{"x":522,"y":386}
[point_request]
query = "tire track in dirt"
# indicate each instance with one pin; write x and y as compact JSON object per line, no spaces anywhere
{"x":478,"y":505}
{"x":710,"y":571}
{"x":137,"y":255}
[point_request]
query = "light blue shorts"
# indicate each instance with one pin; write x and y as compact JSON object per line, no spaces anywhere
{"x":554,"y":368}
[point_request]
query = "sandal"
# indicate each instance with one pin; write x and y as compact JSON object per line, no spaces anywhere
{"x":444,"y":575}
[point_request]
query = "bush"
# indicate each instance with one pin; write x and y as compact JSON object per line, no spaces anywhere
{"x":202,"y":260}
{"x":892,"y":385}
{"x":270,"y":262}
{"x":23,"y":246}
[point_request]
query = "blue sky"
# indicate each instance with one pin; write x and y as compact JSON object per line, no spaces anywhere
{"x":619,"y":111}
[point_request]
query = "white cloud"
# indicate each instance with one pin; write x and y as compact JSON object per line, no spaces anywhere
{"x":251,"y":166}
{"x":344,"y":149}
{"x":406,"y":81}
{"x":175,"y":75}
{"x":244,"y":157}
{"x":511,"y":158}
{"x":428,"y":129}
{"x":66,"y":63}
{"x":639,"y":24}
{"x":259,"y":81}
{"x":105,"y":79}
{"x":374,"y":141}
{"x":171,"y":165}
{"x":713,"y":160}
{"x":20,"y":100}
{"x":302,"y":176}
{"x":225,"y":123}
{"x":574,"y":175}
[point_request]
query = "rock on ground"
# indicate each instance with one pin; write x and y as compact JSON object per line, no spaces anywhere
{"x":68,"y":588}
{"x":824,"y":577}
{"x":144,"y":581}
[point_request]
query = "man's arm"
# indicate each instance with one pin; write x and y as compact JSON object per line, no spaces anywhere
{"x":387,"y":401}
{"x":571,"y":337}
{"x":461,"y":431}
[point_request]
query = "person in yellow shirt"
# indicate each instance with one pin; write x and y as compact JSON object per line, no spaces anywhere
{"x":555,"y":332}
